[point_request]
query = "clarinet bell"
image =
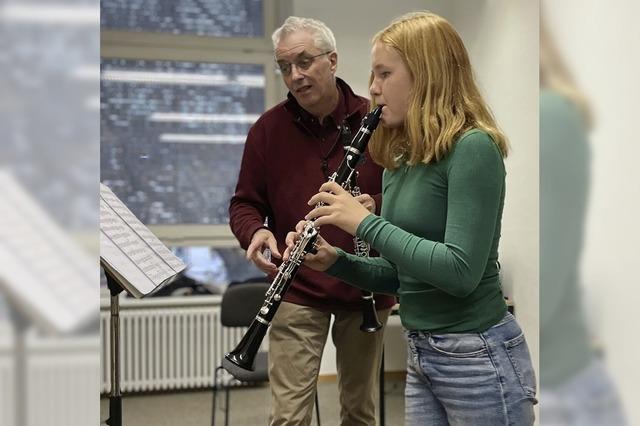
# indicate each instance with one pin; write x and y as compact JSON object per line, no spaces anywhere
{"x":370,"y":321}
{"x":371,"y":325}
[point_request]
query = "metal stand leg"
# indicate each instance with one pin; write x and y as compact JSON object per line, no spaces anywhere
{"x":115,"y":398}
{"x":381,"y":390}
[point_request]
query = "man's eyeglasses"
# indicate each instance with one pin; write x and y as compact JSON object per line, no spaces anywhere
{"x":302,"y":63}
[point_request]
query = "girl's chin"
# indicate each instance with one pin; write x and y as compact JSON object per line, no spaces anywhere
{"x":389,"y":124}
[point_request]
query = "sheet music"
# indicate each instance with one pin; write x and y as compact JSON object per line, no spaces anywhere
{"x":43,"y":272}
{"x":139,"y":261}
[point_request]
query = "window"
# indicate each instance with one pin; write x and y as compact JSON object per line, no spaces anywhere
{"x":173,"y":135}
{"x":182,"y":81}
{"x":219,"y":18}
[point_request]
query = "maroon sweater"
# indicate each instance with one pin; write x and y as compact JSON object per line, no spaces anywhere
{"x":282,"y":168}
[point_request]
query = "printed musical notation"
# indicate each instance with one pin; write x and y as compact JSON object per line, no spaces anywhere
{"x":138,"y":260}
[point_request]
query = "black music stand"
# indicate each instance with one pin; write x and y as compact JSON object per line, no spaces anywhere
{"x":133,"y":260}
{"x":115,"y":288}
{"x":115,"y":397}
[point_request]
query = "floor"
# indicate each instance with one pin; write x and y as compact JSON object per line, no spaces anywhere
{"x":249,"y":406}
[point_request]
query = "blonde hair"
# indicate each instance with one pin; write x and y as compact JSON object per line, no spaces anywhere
{"x":445,"y":101}
{"x":555,"y":75}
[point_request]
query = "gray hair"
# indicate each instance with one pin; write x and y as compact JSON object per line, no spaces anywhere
{"x":323,"y":37}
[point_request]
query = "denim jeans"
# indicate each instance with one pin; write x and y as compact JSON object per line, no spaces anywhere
{"x":470,"y":378}
{"x":587,"y":399}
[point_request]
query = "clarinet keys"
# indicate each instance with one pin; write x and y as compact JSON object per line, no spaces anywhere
{"x":314,"y":248}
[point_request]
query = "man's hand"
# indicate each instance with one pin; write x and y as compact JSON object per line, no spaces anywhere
{"x":326,"y":255}
{"x":263,"y":240}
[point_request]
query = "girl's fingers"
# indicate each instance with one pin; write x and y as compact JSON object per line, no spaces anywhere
{"x":331,"y":187}
{"x":318,"y":212}
{"x":321,"y":197}
{"x":324,"y":220}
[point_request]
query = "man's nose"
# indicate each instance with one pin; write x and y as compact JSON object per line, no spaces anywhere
{"x":296,"y":73}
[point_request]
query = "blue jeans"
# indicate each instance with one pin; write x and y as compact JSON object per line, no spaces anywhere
{"x":470,"y":378}
{"x":587,"y":399}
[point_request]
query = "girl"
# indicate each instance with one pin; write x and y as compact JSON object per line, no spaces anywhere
{"x":438,"y":233}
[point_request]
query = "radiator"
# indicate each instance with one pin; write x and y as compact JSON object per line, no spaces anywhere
{"x":166,"y":343}
{"x":59,"y":379}
{"x":62,"y":381}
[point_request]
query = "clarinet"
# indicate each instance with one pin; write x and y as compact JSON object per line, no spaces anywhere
{"x":370,"y":321}
{"x":243,"y":356}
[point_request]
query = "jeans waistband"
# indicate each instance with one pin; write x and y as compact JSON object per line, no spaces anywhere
{"x":508,"y":317}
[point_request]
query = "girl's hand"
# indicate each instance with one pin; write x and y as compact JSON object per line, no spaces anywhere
{"x":326,"y":255}
{"x":367,"y":201}
{"x":341,"y":208}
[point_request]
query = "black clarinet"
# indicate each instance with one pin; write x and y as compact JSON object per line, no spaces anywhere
{"x":370,"y":321}
{"x":243,"y":356}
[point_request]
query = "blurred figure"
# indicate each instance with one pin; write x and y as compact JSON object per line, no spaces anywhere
{"x":575,"y":386}
{"x":48,"y":219}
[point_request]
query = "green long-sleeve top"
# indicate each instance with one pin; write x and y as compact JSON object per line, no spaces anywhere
{"x":565,"y":346}
{"x":438,"y":237}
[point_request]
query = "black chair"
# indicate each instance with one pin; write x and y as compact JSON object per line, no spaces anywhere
{"x":240,"y":304}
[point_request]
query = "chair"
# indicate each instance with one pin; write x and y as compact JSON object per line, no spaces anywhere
{"x":239,"y":306}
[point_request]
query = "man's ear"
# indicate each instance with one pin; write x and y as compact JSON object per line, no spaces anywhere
{"x":333,"y":58}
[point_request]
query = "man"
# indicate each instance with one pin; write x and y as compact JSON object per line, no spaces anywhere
{"x":290,"y":151}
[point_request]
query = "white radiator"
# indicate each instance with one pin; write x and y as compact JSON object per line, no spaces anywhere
{"x":62,"y":381}
{"x":59,"y":379}
{"x":166,"y":342}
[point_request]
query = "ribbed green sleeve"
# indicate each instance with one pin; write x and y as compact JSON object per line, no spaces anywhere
{"x":375,"y":274}
{"x":456,"y":265}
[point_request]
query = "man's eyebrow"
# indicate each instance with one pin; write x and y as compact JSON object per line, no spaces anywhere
{"x":301,"y":55}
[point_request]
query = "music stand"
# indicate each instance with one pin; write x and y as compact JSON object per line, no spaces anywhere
{"x":115,"y":397}
{"x":134,"y":260}
{"x":48,"y":281}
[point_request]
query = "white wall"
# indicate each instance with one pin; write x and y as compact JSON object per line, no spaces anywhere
{"x":502,"y":38}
